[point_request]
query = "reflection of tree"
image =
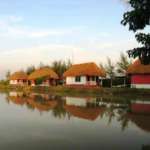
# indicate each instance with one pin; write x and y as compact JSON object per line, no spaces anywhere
{"x":110,"y":113}
{"x":117,"y":113}
{"x":7,"y":98}
{"x":123,"y":119}
{"x":59,"y":111}
{"x":29,"y":106}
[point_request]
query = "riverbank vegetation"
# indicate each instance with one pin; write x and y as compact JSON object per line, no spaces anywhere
{"x":63,"y":90}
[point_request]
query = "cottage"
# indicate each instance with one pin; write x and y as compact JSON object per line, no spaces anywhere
{"x":86,"y":75}
{"x":140,"y":75}
{"x":43,"y":77}
{"x":18,"y":78}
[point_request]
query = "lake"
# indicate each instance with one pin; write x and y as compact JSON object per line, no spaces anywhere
{"x":44,"y":122}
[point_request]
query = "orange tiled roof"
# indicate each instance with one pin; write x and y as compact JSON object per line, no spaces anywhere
{"x":90,"y":69}
{"x":43,"y":72}
{"x":138,"y":68}
{"x":17,"y":100}
{"x":19,"y":75}
{"x":84,"y":113}
{"x":45,"y":106}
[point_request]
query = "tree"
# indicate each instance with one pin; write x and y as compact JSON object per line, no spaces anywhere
{"x":60,"y":66}
{"x":101,"y":65}
{"x":138,"y":18}
{"x":122,"y":65}
{"x":8,"y":74}
{"x":30,"y":69}
{"x":41,"y":65}
{"x":110,"y":70}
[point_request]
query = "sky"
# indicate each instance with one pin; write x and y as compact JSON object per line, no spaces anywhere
{"x":34,"y":31}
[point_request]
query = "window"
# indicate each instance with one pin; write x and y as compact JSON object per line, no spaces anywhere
{"x":77,"y":79}
{"x":93,"y":78}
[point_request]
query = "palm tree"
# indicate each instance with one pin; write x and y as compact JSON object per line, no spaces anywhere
{"x":122,"y":65}
{"x":110,"y":70}
{"x":61,"y":66}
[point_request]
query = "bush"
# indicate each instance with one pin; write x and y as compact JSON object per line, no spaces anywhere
{"x":40,"y":80}
{"x":4,"y":82}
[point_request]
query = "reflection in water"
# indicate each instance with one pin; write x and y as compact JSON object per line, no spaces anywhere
{"x":87,"y":108}
{"x":91,"y":118}
{"x":140,"y":114}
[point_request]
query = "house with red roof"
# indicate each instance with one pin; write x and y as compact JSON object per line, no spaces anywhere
{"x":140,"y":75}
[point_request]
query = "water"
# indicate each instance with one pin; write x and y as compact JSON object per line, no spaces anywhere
{"x":45,"y":122}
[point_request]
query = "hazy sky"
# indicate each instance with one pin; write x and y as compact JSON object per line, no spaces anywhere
{"x":34,"y":31}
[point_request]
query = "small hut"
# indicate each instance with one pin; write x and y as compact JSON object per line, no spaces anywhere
{"x":18,"y":78}
{"x":86,"y":75}
{"x":43,"y":77}
{"x":140,"y":75}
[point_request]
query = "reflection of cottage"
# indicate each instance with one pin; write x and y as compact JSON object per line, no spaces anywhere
{"x":79,"y":107}
{"x":140,"y":114}
{"x":140,"y":75}
{"x":75,"y":101}
{"x":41,"y":104}
{"x":44,"y":77}
{"x":140,"y":107}
{"x":18,"y":78}
{"x":86,"y":74}
{"x":17,"y":98}
{"x":81,"y":101}
{"x":84,"y":112}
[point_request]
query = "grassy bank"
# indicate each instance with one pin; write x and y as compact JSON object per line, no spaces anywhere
{"x":61,"y":90}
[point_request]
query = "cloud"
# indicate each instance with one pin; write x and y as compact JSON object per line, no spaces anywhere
{"x":35,"y":33}
{"x":15,"y":18}
{"x":10,"y":27}
{"x":98,"y":52}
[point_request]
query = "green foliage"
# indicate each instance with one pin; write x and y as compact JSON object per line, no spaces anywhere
{"x":60,"y":66}
{"x":123,"y":64}
{"x":4,"y":82}
{"x":30,"y":69}
{"x":110,"y":68}
{"x":102,"y":66}
{"x":8,"y":74}
{"x":137,"y":19}
{"x":39,"y":81}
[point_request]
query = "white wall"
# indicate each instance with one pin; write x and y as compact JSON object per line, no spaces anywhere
{"x":14,"y":82}
{"x":140,"y":86}
{"x":71,"y":81}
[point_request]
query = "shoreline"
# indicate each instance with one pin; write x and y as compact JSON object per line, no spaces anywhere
{"x":68,"y":91}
